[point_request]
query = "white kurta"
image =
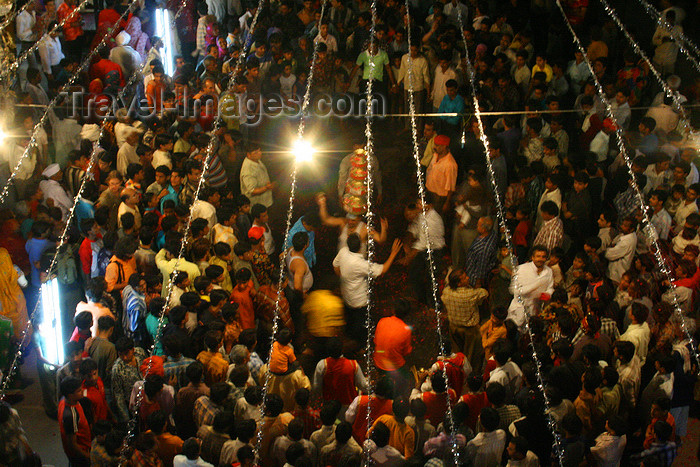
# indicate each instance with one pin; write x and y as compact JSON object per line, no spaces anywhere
{"x":620,"y":255}
{"x":531,"y":284}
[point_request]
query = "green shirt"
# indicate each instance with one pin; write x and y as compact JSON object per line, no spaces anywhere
{"x":380,"y":60}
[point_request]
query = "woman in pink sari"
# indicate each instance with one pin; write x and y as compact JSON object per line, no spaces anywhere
{"x":139,"y":39}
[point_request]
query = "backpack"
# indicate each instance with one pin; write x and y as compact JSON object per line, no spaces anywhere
{"x":103,"y":257}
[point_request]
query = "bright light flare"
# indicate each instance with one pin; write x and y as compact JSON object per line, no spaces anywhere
{"x":303,"y":152}
{"x":50,"y":328}
{"x":163,"y":31}
{"x":3,"y":136}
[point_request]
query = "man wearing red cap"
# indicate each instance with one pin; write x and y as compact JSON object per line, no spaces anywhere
{"x":441,"y":176}
{"x":601,"y":141}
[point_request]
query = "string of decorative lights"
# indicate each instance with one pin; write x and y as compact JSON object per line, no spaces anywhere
{"x":200,"y":183}
{"x":424,"y":226}
{"x":59,"y":26}
{"x":55,"y":101}
{"x":648,"y":228}
{"x":369,"y":153}
{"x":300,"y":147}
{"x":677,"y":36}
{"x":517,"y":288}
{"x":675,"y":95}
{"x":62,"y":240}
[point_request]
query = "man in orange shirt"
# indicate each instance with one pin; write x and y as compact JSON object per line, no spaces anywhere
{"x":168,"y":445}
{"x":215,"y":366}
{"x":72,"y":28}
{"x":392,"y":342}
{"x":155,"y":89}
{"x":441,"y":176}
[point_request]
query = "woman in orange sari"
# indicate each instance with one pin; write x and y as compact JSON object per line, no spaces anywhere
{"x":11,"y":297}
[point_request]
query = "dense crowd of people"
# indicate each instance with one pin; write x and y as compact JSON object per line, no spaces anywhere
{"x":178,"y":328}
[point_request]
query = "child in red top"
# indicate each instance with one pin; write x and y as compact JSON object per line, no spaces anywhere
{"x":243,"y":294}
{"x":476,"y":399}
{"x":94,"y":389}
{"x":282,"y":359}
{"x":81,"y":333}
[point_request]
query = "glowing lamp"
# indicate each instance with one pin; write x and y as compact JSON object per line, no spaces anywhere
{"x":303,"y":152}
{"x":163,"y":31}
{"x":50,"y":328}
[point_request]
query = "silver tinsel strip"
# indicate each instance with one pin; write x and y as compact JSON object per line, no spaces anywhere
{"x":288,"y":226}
{"x":649,"y":229}
{"x":55,"y":100}
{"x":424,"y":226}
{"x":558,"y":450}
{"x":369,"y":152}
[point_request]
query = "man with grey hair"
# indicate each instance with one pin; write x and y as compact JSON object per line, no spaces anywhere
{"x":481,"y":256}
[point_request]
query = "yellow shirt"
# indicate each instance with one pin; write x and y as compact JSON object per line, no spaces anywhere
{"x":324,"y":313}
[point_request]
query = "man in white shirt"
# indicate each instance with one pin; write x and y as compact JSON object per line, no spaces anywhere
{"x":486,"y":448}
{"x":657,"y":173}
{"x":26,"y":37}
{"x":443,"y":73}
{"x":621,"y":108}
{"x":521,"y":72}
{"x":326,"y":38}
{"x":600,"y":145}
{"x":255,"y":180}
{"x":638,"y":332}
{"x":352,"y":268}
{"x":205,"y":206}
{"x":127,"y":151}
{"x":128,"y":59}
{"x":50,"y":52}
{"x":621,"y":253}
{"x":54,"y":194}
{"x":535,"y":283}
{"x":420,"y":77}
{"x":416,"y":246}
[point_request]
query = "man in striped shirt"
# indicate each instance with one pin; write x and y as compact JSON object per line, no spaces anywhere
{"x":552,"y":233}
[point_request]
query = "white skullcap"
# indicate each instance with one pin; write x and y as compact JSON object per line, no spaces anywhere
{"x":123,"y":38}
{"x":51,"y":170}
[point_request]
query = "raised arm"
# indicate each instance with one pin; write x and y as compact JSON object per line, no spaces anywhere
{"x":327,"y":219}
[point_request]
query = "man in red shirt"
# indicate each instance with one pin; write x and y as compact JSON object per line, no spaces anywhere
{"x":74,"y":425}
{"x":392,"y":342}
{"x":72,"y":28}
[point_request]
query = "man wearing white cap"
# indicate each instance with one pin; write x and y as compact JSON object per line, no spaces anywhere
{"x":54,"y":193}
{"x":128,"y":59}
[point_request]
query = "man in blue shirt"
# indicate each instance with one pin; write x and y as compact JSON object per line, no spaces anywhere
{"x":173,"y":188}
{"x":36,"y":246}
{"x":451,"y":103}
{"x":650,"y":142}
{"x":308,"y":223}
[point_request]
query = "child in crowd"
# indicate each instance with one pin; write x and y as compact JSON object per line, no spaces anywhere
{"x":493,"y":329}
{"x":232,"y":328}
{"x":282,"y":359}
{"x":555,"y":257}
{"x":222,"y":258}
{"x":94,"y":389}
{"x":243,"y":295}
{"x":82,"y":332}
